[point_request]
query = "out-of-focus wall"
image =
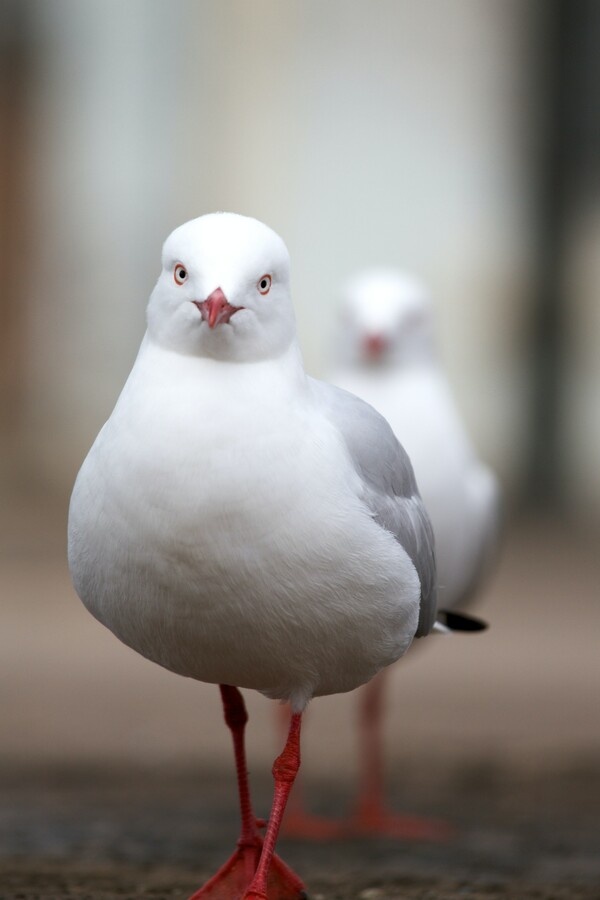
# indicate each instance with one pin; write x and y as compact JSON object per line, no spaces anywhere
{"x":102,"y":157}
{"x":14,"y":62}
{"x":580,"y":399}
{"x":396,"y":132}
{"x":385,"y":132}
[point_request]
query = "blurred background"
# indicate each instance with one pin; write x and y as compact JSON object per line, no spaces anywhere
{"x":459,"y":140}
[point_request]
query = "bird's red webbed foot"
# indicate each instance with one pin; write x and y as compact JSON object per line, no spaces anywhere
{"x":233,"y":879}
{"x":282,"y":884}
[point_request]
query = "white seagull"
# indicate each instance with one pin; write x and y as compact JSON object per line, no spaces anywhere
{"x":243,"y":524}
{"x":386,"y":354}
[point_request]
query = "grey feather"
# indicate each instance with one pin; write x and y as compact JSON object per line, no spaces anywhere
{"x":390,"y":488}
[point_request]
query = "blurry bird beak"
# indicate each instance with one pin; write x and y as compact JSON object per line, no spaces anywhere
{"x":374,"y":345}
{"x":216,"y":309}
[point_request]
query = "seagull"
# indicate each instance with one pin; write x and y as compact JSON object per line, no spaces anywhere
{"x":386,"y":355}
{"x":243,"y":524}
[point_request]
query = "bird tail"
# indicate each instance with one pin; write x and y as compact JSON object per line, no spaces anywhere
{"x":449,"y":622}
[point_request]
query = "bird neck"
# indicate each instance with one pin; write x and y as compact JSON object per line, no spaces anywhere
{"x":272,"y":377}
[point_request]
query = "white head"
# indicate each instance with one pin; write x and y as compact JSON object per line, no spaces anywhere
{"x":224,"y":290}
{"x":385,"y":319}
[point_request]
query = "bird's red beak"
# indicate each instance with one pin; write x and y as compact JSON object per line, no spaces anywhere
{"x":374,"y":345}
{"x":216,"y":309}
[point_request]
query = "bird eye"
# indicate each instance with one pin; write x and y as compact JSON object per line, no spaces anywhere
{"x":264,"y":284}
{"x":180,"y":273}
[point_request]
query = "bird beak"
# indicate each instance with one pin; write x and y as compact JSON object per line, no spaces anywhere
{"x":374,"y":345}
{"x":216,"y":309}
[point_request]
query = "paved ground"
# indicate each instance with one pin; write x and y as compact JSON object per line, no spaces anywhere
{"x":116,"y":777}
{"x":98,"y":834}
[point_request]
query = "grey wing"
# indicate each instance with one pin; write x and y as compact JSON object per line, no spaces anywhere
{"x":390,"y":488}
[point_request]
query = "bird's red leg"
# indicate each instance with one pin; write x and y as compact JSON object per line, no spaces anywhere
{"x":270,"y":879}
{"x":299,"y":823}
{"x":372,"y":816}
{"x":236,"y":717}
{"x":370,"y":797}
{"x":232,"y":879}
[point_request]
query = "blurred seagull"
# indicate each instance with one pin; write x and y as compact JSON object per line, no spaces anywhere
{"x":385,"y":354}
{"x":243,"y":524}
{"x":388,"y":357}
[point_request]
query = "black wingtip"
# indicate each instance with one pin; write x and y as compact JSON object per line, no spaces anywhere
{"x":456,"y":621}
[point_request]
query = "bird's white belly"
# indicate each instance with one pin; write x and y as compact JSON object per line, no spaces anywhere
{"x":225,"y":568}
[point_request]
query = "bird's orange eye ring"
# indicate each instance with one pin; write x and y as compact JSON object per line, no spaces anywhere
{"x":264,"y":284}
{"x":180,"y":273}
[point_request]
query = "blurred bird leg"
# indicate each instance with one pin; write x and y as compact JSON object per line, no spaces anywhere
{"x":371,"y":816}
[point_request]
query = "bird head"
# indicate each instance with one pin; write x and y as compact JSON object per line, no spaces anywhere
{"x":385,"y":319}
{"x":224,"y":290}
